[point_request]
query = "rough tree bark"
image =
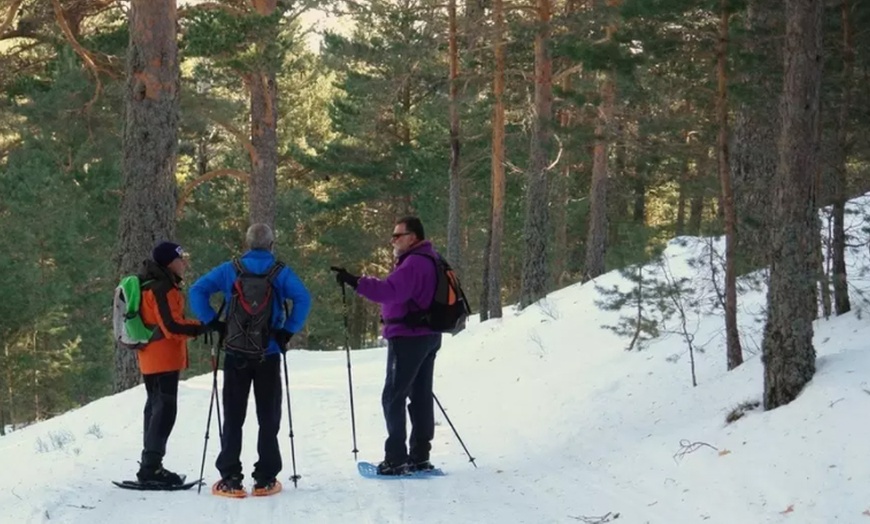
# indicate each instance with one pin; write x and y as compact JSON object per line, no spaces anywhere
{"x":150,"y":146}
{"x":536,"y":234}
{"x":787,"y":351}
{"x":734,"y":352}
{"x":454,"y":238}
{"x":753,"y":151}
{"x":596,"y":238}
{"x":498,"y":157}
{"x":263,"y":88}
{"x":838,"y":247}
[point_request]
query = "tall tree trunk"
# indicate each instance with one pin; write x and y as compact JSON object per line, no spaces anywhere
{"x":638,"y":214}
{"x":150,"y":147}
{"x":536,"y":232}
{"x":788,"y":353}
{"x":622,"y":182}
{"x":732,"y":337}
{"x":37,"y":409}
{"x":454,"y":232}
{"x":498,"y":158}
{"x":559,"y":195}
{"x":4,"y":388}
{"x":9,"y":387}
{"x":838,"y":247}
{"x":202,"y":155}
{"x":683,"y":191}
{"x":696,"y":204}
{"x":559,"y":191}
{"x":485,"y":307}
{"x":473,"y":21}
{"x":263,"y":88}
{"x":753,"y":154}
{"x":824,"y":283}
{"x":405,"y":126}
{"x":596,"y":238}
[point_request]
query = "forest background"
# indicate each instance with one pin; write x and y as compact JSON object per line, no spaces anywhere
{"x":542,"y":143}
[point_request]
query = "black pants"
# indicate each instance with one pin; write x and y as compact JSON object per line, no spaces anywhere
{"x":410,"y":367}
{"x":161,"y":408}
{"x":239,"y":374}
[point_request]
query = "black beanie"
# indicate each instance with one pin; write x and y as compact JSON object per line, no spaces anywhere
{"x":166,"y":252}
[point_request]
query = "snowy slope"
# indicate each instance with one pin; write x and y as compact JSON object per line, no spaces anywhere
{"x":565,"y":425}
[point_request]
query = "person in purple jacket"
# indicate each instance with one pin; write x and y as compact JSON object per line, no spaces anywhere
{"x":405,"y":295}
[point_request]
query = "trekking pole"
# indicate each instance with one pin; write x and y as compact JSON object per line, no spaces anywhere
{"x":295,"y":478}
{"x":470,"y":458}
{"x":211,"y":403}
{"x":349,"y":373}
{"x":215,"y":362}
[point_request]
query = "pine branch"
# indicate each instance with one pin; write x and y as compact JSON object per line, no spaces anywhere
{"x":211,"y":6}
{"x":11,"y":13}
{"x":241,"y":137}
{"x":85,"y":55}
{"x":239,"y":175}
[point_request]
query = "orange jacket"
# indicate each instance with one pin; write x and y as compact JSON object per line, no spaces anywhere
{"x":163,"y":306}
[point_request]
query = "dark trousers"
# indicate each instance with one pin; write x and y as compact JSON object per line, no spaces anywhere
{"x":239,"y":374}
{"x":410,"y":367}
{"x":161,"y":408}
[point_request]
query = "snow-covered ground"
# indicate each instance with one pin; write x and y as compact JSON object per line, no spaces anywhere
{"x":564,"y":424}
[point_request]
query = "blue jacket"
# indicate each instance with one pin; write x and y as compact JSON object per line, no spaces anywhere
{"x":287,"y":287}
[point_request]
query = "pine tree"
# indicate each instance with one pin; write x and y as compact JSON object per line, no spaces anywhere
{"x":788,"y":353}
{"x":150,"y":147}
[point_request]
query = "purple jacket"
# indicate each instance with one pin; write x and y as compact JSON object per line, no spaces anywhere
{"x":409,"y":287}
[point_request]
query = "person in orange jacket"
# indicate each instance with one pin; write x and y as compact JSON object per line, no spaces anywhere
{"x":163,"y":358}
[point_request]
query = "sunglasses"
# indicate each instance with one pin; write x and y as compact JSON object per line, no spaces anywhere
{"x":399,"y":235}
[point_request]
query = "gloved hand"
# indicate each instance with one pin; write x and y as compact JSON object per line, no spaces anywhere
{"x":343,"y":277}
{"x":282,"y":337}
{"x":217,"y":326}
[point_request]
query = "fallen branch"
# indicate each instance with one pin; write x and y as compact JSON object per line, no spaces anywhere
{"x":82,"y":506}
{"x":687,"y":447}
{"x":607,"y":517}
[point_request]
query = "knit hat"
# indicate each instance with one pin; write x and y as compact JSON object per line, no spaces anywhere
{"x":166,"y":252}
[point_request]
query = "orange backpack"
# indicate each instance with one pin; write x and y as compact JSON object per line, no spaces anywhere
{"x":449,"y":308}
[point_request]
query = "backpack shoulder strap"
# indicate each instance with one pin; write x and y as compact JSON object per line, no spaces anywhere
{"x":425,"y":255}
{"x":274,"y":270}
{"x":437,"y":260}
{"x":237,"y":265}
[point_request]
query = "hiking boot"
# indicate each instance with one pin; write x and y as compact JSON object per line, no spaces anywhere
{"x":421,"y":466}
{"x":229,"y":487}
{"x":265,"y":488}
{"x":159,"y":475}
{"x":390,"y":468}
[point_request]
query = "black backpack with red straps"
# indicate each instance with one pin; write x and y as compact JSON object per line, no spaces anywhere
{"x":249,"y":317}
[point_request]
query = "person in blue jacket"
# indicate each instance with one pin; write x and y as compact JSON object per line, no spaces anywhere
{"x":241,"y":371}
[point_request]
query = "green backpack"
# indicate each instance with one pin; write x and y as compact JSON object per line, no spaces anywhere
{"x":129,"y":330}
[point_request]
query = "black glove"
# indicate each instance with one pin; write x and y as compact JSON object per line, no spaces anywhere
{"x":343,"y":277}
{"x":217,"y":326}
{"x":282,"y":337}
